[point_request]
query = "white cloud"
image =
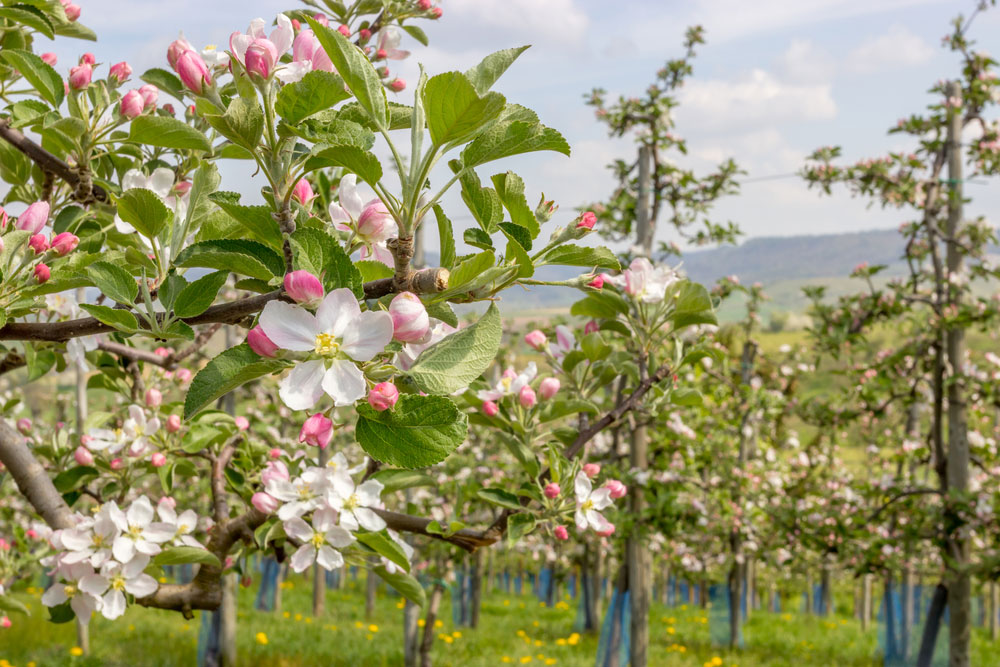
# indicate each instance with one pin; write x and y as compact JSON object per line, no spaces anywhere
{"x":759,"y":98}
{"x":805,"y":62}
{"x":555,"y":21}
{"x":896,"y":48}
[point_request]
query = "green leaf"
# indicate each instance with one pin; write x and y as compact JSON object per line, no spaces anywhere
{"x":693,"y":305}
{"x":114,"y":281}
{"x":167,"y":133}
{"x":519,"y":525}
{"x":604,"y":305}
{"x":418,"y":432}
{"x":199,"y":295}
{"x":383,"y":546}
{"x":247,"y":258}
{"x":13,"y":605}
{"x":563,"y":407}
{"x":686,"y":396}
{"x":510,"y":189}
{"x":62,"y":613}
{"x":38,"y":73}
{"x":477,"y":238}
{"x":315,"y":92}
{"x":255,"y":219}
{"x":483,"y":203}
{"x":417,"y":33}
{"x":353,"y":159}
{"x":468,"y":270}
{"x":574,"y":255}
{"x":113,"y":317}
{"x":73,"y":478}
{"x":517,"y":131}
{"x":242,"y":124}
{"x":373,"y":270}
{"x":520,"y":257}
{"x":166,"y":81}
{"x":396,"y":479}
{"x":455,"y":111}
{"x":144,"y":210}
{"x":492,"y":67}
{"x":501,"y":498}
{"x":357,"y":71}
{"x":405,"y":583}
{"x":444,"y":312}
{"x":400,"y":116}
{"x":233,"y":368}
{"x":29,"y":16}
{"x":455,"y":361}
{"x":320,"y":254}
{"x":446,"y":238}
{"x":182,"y":555}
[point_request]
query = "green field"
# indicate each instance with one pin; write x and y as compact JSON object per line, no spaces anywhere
{"x":513,"y":630}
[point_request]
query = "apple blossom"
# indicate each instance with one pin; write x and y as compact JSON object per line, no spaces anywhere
{"x":79,"y":76}
{"x":490,"y":409}
{"x":66,"y":587}
{"x":120,"y":72}
{"x":153,"y":397}
{"x":274,"y":470}
{"x":587,"y":220}
{"x":371,"y":223}
{"x":64,"y":243}
{"x":509,"y":383}
{"x":38,"y":243}
{"x":397,"y":85}
{"x":132,"y":104}
{"x":527,"y":397}
{"x":300,"y":495}
{"x":173,"y":423}
{"x":616,"y":488}
{"x":549,"y":388}
{"x":264,"y":503}
{"x":50,"y":59}
{"x":158,"y":460}
{"x":339,"y":334}
{"x":410,"y":322}
{"x":42,"y":273}
{"x":182,"y":526}
{"x":561,"y":533}
{"x":304,"y":288}
{"x":261,"y":55}
{"x":260,"y":343}
{"x":645,"y":282}
{"x":193,"y":72}
{"x":592,"y":470}
{"x":83,"y":456}
{"x":34,"y":217}
{"x":552,"y":490}
{"x":317,"y":431}
{"x":589,"y":504}
{"x":139,"y":533}
{"x":354,"y":503}
{"x":303,"y":192}
{"x":383,"y":396}
{"x":150,"y":94}
{"x":115,"y":580}
{"x":242,"y":423}
{"x":319,"y":542}
{"x":24,"y":425}
{"x":536,"y":339}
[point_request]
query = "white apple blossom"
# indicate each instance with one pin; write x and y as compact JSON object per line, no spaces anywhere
{"x":509,"y":383}
{"x":339,"y":335}
{"x":115,"y":580}
{"x":589,"y":504}
{"x":355,"y":502}
{"x":67,"y":587}
{"x":319,"y":541}
{"x":303,"y":494}
{"x":370,"y":222}
{"x":139,"y":429}
{"x":139,"y":534}
{"x":183,"y":525}
{"x":644,"y":282}
{"x":91,"y":540}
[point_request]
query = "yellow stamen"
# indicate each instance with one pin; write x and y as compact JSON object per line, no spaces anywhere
{"x":327,"y":345}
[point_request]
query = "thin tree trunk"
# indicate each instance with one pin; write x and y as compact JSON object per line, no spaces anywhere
{"x":476,"y":598}
{"x":277,"y":587}
{"x":994,"y":611}
{"x":907,"y":619}
{"x":432,"y":610}
{"x":826,"y":590}
{"x":227,"y":635}
{"x":371,"y":583}
{"x":866,"y":602}
{"x":931,"y":626}
{"x":810,"y":607}
{"x":411,"y":644}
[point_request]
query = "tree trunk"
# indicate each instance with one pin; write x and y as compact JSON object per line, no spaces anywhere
{"x":866,"y":602}
{"x":277,"y":587}
{"x":411,"y":643}
{"x":637,"y":557}
{"x":371,"y":583}
{"x":227,"y":636}
{"x":810,"y":606}
{"x":906,"y":596}
{"x":826,"y":590}
{"x":926,"y":656}
{"x":432,"y":610}
{"x":994,"y":611}
{"x":476,"y":598}
{"x":957,"y":546}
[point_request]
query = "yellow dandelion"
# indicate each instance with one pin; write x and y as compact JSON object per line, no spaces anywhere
{"x":359,"y":625}
{"x":372,"y":628}
{"x":421,"y":622}
{"x":261,"y":638}
{"x":560,"y":642}
{"x":400,"y":604}
{"x":439,"y":623}
{"x":550,"y":661}
{"x":163,"y":580}
{"x":671,"y":630}
{"x":298,"y":617}
{"x":309,"y":619}
{"x":526,"y":659}
{"x":76,"y":651}
{"x":287,"y":615}
{"x":456,"y":634}
{"x":506,"y":658}
{"x":535,"y":623}
{"x":506,"y":603}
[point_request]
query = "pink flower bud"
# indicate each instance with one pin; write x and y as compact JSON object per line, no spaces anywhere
{"x":120,"y":72}
{"x":561,"y":533}
{"x":168,"y":501}
{"x":275,"y":471}
{"x":72,"y":11}
{"x":536,"y":339}
{"x":549,"y":388}
{"x":490,"y":409}
{"x":264,"y":503}
{"x":552,"y":490}
{"x":424,"y":4}
{"x":322,"y":20}
{"x":83,"y":456}
{"x":437,"y":12}
{"x":117,"y":464}
{"x":158,"y":460}
{"x":344,"y":30}
{"x":33,"y":218}
{"x":259,"y":60}
{"x":527,"y":397}
{"x":373,"y":220}
{"x":275,"y":453}
{"x":296,"y":24}
{"x":169,"y":108}
{"x":242,"y":423}
{"x":397,"y":85}
{"x":38,"y":243}
{"x":150,"y":94}
{"x":617,"y":489}
{"x":607,"y":532}
{"x":153,"y":397}
{"x":84,"y":439}
{"x":303,"y":192}
{"x":591,"y":470}
{"x":365,"y":34}
{"x":173,"y":423}
{"x":65,"y":243}
{"x":193,"y":72}
{"x":132,"y":104}
{"x":592,"y":327}
{"x":50,"y":59}
{"x":183,"y":375}
{"x":181,"y":187}
{"x":79,"y":76}
{"x":383,"y":396}
{"x":304,"y":288}
{"x":88,"y":59}
{"x":176,"y":49}
{"x":161,"y":352}
{"x":42,"y":273}
{"x":4,"y":622}
{"x":410,"y":321}
{"x":597,"y":282}
{"x":381,"y":54}
{"x":31,"y":533}
{"x":587,"y":220}
{"x":317,"y":431}
{"x":260,"y":343}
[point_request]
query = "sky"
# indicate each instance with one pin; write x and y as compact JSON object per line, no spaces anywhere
{"x":775,"y":80}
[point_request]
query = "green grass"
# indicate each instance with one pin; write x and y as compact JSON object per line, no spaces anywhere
{"x":512,"y":627}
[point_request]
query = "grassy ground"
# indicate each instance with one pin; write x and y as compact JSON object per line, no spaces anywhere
{"x":514,"y":630}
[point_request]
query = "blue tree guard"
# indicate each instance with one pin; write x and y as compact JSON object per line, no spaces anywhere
{"x":572,"y":586}
{"x":719,"y":611}
{"x":333,"y":578}
{"x":518,"y":584}
{"x":615,"y":632}
{"x":546,"y":588}
{"x":209,"y":643}
{"x":900,"y":646}
{"x":269,"y":569}
{"x":461,"y":599}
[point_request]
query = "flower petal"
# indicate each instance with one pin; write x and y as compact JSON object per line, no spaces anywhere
{"x":339,"y":537}
{"x":329,"y":559}
{"x":368,"y":519}
{"x":303,"y":386}
{"x":141,"y":586}
{"x":348,"y":194}
{"x":344,"y":382}
{"x":337,"y":312}
{"x":367,"y":336}
{"x":303,"y":558}
{"x":298,"y":529}
{"x":289,"y":327}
